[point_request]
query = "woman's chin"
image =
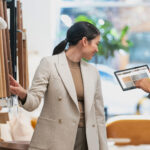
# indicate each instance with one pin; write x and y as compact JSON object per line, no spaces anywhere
{"x":88,"y":58}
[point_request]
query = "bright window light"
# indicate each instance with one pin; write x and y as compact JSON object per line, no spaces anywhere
{"x":66,"y":20}
{"x":101,"y":21}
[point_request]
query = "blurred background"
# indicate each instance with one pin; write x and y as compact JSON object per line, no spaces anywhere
{"x":35,"y":27}
{"x":125,"y":42}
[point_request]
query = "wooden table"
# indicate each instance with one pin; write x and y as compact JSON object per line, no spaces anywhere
{"x":15,"y":145}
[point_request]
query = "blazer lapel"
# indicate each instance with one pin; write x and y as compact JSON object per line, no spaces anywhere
{"x":88,"y":88}
{"x":66,"y":76}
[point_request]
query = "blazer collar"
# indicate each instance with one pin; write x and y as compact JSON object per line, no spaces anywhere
{"x":66,"y":76}
{"x":89,"y":87}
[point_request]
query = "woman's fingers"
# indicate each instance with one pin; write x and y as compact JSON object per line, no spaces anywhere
{"x":11,"y":78}
{"x":13,"y":90}
{"x":137,"y":83}
{"x":16,"y":88}
{"x":19,"y":91}
{"x":13,"y":81}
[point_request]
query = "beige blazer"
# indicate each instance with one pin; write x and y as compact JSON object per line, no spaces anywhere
{"x":58,"y":122}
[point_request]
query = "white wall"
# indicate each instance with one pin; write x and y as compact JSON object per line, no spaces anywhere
{"x":40,"y":18}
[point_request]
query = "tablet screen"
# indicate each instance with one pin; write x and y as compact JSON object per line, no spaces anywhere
{"x":127,"y":77}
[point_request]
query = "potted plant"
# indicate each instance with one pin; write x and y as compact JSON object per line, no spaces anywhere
{"x":111,"y":40}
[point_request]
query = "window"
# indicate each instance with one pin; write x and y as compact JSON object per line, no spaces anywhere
{"x":133,"y":13}
{"x":120,"y":12}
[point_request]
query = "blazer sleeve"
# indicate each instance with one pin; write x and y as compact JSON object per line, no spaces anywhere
{"x":38,"y":87}
{"x":100,"y":115}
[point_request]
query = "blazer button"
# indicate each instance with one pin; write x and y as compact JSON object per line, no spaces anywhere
{"x":59,"y":99}
{"x":74,"y":121}
{"x":59,"y":121}
{"x":93,"y":125}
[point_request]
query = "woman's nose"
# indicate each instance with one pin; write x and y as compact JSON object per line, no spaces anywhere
{"x":96,"y":50}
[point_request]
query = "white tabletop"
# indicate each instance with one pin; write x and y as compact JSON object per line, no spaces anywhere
{"x":129,"y":147}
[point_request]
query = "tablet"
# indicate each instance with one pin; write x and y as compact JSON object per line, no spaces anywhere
{"x":127,"y":77}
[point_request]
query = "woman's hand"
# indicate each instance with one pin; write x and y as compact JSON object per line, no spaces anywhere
{"x":16,"y":88}
{"x":144,"y":84}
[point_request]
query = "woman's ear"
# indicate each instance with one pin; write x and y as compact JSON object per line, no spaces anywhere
{"x":84,"y":41}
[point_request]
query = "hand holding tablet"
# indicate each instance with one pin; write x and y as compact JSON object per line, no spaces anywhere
{"x":144,"y":84}
{"x":128,"y":77}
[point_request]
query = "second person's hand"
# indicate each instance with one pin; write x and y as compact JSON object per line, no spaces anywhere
{"x":144,"y":84}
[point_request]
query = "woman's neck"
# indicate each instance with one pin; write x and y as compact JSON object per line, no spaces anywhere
{"x":74,"y":54}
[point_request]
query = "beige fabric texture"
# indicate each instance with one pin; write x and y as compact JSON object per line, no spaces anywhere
{"x":78,"y":83}
{"x":57,"y":125}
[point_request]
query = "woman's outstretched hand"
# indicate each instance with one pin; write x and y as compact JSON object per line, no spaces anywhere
{"x":16,"y":88}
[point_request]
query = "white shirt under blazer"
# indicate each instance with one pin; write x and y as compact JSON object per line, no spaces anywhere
{"x":58,"y":122}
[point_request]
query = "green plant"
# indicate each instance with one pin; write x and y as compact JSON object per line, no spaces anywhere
{"x":111,"y":40}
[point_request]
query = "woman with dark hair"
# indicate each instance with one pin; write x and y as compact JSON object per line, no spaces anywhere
{"x":72,"y":117}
